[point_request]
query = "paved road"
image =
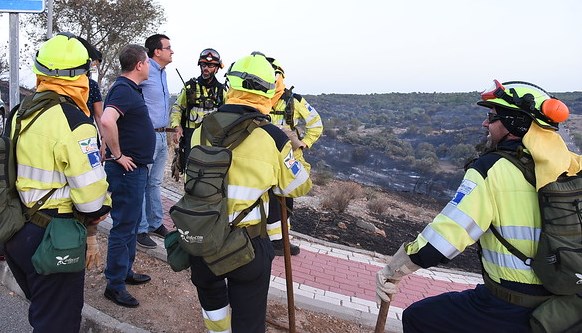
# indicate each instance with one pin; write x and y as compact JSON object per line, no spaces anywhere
{"x":13,"y":312}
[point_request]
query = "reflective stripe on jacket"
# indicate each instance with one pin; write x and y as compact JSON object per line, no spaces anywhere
{"x":493,"y":191}
{"x":60,"y":151}
{"x":262,"y":161}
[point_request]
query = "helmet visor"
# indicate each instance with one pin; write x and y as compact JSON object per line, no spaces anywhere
{"x":493,"y":91}
{"x":209,"y":55}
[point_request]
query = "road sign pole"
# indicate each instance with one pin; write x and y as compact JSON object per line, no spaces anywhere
{"x":14,"y":85}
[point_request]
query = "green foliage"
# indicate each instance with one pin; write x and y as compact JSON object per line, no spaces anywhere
{"x":460,"y":153}
{"x":107,"y":24}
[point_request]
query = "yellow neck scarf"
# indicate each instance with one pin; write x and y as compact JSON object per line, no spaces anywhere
{"x":78,"y":90}
{"x":261,"y":103}
{"x":550,"y":154}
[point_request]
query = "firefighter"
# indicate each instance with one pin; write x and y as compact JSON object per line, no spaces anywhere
{"x":199,"y":97}
{"x":59,"y":151}
{"x":303,"y":125}
{"x":264,"y":161}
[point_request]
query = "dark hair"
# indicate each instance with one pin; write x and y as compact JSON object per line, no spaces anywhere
{"x":97,"y":56}
{"x":130,"y":55}
{"x":154,"y":42}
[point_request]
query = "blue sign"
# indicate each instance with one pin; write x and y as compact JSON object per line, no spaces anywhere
{"x":22,"y":6}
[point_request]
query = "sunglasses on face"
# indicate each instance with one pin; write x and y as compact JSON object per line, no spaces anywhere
{"x":208,"y":65}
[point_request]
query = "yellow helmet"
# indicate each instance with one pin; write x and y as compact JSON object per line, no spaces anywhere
{"x":546,"y":110}
{"x":276,"y":66}
{"x":63,"y":56}
{"x":254,"y":74}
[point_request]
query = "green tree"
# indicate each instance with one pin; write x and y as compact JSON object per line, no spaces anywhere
{"x":106,"y":24}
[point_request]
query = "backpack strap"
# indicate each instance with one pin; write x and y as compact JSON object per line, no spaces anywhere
{"x":525,"y":163}
{"x":512,"y":249}
{"x":232,"y":135}
{"x":43,"y":101}
{"x":289,"y":98}
{"x":522,"y":160}
{"x":185,"y":119}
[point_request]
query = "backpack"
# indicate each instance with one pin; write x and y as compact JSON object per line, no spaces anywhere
{"x":13,"y":214}
{"x":201,"y":215}
{"x":558,"y":260}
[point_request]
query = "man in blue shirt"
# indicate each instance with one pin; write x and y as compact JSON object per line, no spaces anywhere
{"x":157,"y":98}
{"x":130,"y":138}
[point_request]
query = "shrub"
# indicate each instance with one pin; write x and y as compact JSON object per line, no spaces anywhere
{"x":322,"y":177}
{"x":378,"y":206}
{"x":339,"y":196}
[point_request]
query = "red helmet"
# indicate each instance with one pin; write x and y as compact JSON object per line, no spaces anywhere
{"x":210,"y":56}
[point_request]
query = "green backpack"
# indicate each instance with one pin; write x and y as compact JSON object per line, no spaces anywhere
{"x":201,"y":215}
{"x":558,"y":260}
{"x":12,"y":212}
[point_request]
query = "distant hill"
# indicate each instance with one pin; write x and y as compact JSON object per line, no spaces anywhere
{"x":428,"y":135}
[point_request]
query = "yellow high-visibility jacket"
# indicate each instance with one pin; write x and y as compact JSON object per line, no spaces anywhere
{"x":196,"y":100}
{"x":60,"y":151}
{"x":493,"y":192}
{"x":264,"y":160}
{"x":305,"y":118}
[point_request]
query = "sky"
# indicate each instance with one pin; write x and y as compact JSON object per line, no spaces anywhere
{"x":382,"y":46}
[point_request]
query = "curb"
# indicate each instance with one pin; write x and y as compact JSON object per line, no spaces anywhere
{"x":93,"y":320}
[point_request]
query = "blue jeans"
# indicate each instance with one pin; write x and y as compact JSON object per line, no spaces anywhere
{"x":127,"y":189}
{"x":152,"y":209}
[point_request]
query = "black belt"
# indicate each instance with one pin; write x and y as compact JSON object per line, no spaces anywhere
{"x":40,"y":219}
{"x":163,"y":129}
{"x":512,"y":296}
{"x":43,"y":217}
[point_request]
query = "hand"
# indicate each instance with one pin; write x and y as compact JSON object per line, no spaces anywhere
{"x":292,"y":135}
{"x":93,"y":255}
{"x":178,"y":134}
{"x":385,"y":287}
{"x":126,"y":162}
{"x":388,"y":277}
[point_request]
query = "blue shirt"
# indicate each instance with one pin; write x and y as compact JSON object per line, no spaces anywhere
{"x":137,"y":138}
{"x":156,"y":95}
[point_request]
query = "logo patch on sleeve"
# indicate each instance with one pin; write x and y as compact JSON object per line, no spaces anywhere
{"x":464,"y":189}
{"x":94,"y":159}
{"x":292,"y":164}
{"x":89,"y":145}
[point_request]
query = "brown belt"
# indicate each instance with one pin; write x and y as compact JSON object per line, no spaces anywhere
{"x":511,"y":296}
{"x":163,"y":129}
